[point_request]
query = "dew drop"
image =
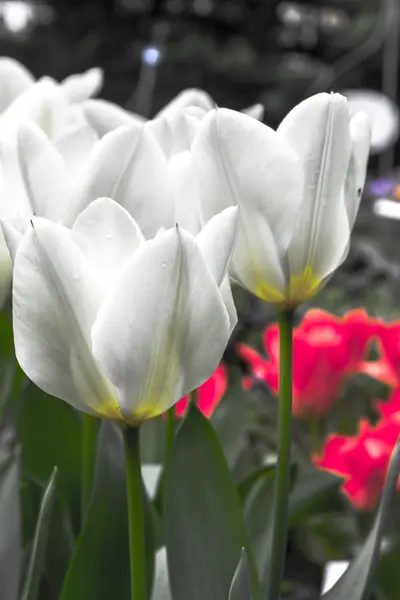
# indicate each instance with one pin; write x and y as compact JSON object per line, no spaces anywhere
{"x":163,"y":264}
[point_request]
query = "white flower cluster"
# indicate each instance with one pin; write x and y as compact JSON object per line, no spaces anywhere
{"x":119,"y":232}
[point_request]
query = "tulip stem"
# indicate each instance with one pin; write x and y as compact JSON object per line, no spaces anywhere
{"x":169,"y":435}
{"x":135,"y":513}
{"x":314,"y":426}
{"x":88,"y":459}
{"x":283,"y":468}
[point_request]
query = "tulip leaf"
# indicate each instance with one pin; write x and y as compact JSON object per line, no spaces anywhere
{"x":355,"y":583}
{"x":161,"y":590}
{"x":231,"y":420}
{"x":60,"y":547}
{"x":245,"y":486}
{"x":257,"y":513}
{"x":241,"y":583}
{"x":50,"y":434}
{"x":100,"y":565}
{"x":10,"y":525}
{"x":204,"y":525}
{"x":388,"y":574}
{"x":39,"y":545}
{"x":313,"y":491}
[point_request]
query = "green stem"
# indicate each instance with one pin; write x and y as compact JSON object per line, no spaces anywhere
{"x":88,"y":459}
{"x":283,"y":468}
{"x":135,"y":513}
{"x":169,"y":434}
{"x":314,"y":426}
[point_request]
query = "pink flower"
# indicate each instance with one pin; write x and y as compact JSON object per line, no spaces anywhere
{"x":208,"y":395}
{"x":362,"y":460}
{"x":326,"y":351}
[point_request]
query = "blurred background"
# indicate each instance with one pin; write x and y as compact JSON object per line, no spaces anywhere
{"x":242,"y":52}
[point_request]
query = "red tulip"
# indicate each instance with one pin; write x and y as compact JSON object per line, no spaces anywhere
{"x":362,"y":460}
{"x":391,"y":407}
{"x":208,"y":395}
{"x":326,"y":350}
{"x":389,"y":344}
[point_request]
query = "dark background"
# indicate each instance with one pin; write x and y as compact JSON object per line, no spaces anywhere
{"x":240,"y":51}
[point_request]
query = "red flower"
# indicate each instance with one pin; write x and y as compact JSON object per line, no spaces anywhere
{"x":208,"y":395}
{"x":389,"y":343}
{"x":362,"y":460}
{"x":326,"y":350}
{"x":390,"y":408}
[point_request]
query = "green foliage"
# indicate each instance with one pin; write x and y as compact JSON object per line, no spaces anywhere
{"x":39,"y":544}
{"x":204,"y":525}
{"x":241,"y":583}
{"x":357,"y":580}
{"x":10,"y":525}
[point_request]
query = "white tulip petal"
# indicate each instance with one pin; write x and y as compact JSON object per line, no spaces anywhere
{"x":14,"y":79}
{"x":75,"y":147}
{"x":318,"y":130}
{"x":105,"y":116}
{"x":163,"y":329}
{"x":108,"y":236}
{"x":43,"y":172}
{"x":255,"y":110}
{"x":256,"y":262}
{"x":82,"y":86}
{"x":185,"y":192}
{"x":162,"y":131}
{"x":12,"y":237}
{"x":241,"y":161}
{"x":227,"y":297}
{"x":190,"y":97}
{"x":129,"y":166}
{"x":55,"y":302}
{"x":360,"y":131}
{"x":217,"y":241}
{"x":184,"y":127}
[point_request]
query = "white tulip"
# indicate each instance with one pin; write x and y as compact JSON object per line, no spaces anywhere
{"x":14,"y":79}
{"x":104,"y":116}
{"x":37,"y":178}
{"x":117,"y":326}
{"x":298,"y":190}
{"x":129,"y":166}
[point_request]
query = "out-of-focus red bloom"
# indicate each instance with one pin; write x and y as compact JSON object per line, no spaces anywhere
{"x":326,"y":350}
{"x":390,"y":408}
{"x":389,"y":345}
{"x":362,"y":460}
{"x":208,"y":395}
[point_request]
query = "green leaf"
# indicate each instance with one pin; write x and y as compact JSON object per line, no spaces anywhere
{"x":10,"y":372}
{"x":241,"y":583}
{"x":100,"y":565}
{"x":204,"y":525}
{"x":152,"y":441}
{"x":257,"y":513}
{"x":231,"y":420}
{"x":314,"y":491}
{"x":10,"y":525}
{"x":245,"y":486}
{"x":388,"y":574}
{"x":355,"y":583}
{"x":60,"y":547}
{"x":326,"y":537}
{"x":39,"y":545}
{"x":50,"y":434}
